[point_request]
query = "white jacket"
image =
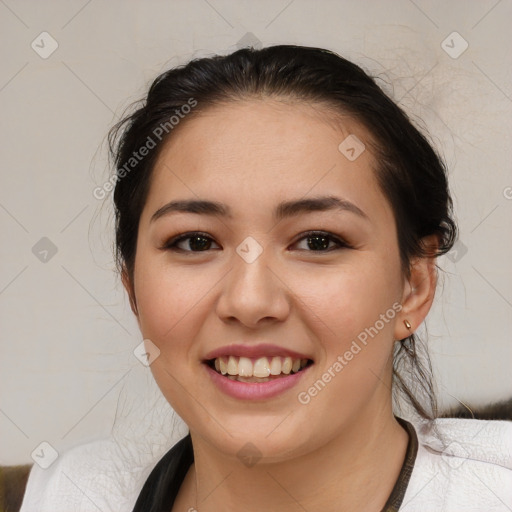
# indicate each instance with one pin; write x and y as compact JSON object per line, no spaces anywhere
{"x":461,"y":466}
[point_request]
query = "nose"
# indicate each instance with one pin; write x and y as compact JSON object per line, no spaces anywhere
{"x":253,"y":293}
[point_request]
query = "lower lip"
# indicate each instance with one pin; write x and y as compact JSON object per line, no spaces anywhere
{"x":254,"y":390}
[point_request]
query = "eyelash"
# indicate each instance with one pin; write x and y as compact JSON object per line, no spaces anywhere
{"x":170,"y":245}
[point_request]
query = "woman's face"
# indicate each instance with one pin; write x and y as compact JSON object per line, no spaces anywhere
{"x":253,"y":284}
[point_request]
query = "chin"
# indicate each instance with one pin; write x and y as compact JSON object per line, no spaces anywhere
{"x":267,"y":439}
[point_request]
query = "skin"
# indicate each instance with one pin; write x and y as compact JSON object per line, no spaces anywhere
{"x":344,"y":449}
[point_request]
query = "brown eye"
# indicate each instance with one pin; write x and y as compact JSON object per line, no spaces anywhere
{"x":320,"y":241}
{"x":190,"y":242}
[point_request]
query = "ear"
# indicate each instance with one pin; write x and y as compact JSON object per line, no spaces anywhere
{"x":419,"y":290}
{"x":128,"y":286}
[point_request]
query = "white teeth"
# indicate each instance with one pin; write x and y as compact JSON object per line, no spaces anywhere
{"x":287,"y":365}
{"x":275,"y":366}
{"x":223,"y":365}
{"x":262,"y":368}
{"x":232,"y":366}
{"x":245,"y":367}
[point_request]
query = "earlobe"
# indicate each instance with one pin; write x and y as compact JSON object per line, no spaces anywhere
{"x":128,"y":286}
{"x":418,"y":295}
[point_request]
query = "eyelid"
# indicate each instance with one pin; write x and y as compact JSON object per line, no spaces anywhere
{"x":172,"y":242}
{"x":168,"y":244}
{"x":342,"y":243}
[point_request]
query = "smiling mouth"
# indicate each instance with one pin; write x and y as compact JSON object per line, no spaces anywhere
{"x":262,"y":369}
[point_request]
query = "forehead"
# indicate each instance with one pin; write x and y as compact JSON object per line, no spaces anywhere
{"x":258,"y":152}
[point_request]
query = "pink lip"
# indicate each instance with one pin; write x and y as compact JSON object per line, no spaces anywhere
{"x":253,"y":351}
{"x":254,"y":390}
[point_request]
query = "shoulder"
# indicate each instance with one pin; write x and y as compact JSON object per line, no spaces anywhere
{"x":461,"y":464}
{"x":486,"y":441}
{"x":98,"y":475}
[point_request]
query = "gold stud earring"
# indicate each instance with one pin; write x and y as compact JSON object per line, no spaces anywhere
{"x":407,"y":324}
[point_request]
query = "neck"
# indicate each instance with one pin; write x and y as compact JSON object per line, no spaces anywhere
{"x":356,"y":470}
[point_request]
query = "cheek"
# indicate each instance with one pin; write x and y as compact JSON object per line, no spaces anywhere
{"x":167,"y":302}
{"x":352,"y":311}
{"x":170,"y":304}
{"x":349,"y":300}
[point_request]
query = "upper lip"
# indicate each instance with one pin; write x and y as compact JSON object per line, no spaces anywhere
{"x":253,"y":351}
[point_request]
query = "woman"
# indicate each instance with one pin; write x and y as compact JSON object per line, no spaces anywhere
{"x":278,"y":220}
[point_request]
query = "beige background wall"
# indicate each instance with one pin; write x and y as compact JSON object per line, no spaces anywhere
{"x":67,"y":333}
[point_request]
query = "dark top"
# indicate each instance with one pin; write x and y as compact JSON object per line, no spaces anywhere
{"x":163,"y":484}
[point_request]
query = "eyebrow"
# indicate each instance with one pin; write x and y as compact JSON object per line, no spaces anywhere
{"x":283,"y":210}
